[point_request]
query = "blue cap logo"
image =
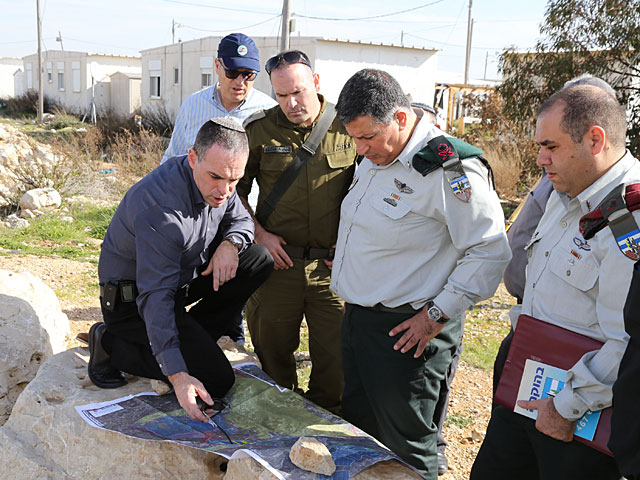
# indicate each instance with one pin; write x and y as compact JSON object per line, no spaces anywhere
{"x":242,"y":50}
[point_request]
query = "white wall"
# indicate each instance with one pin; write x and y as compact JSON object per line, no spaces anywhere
{"x":8,"y":67}
{"x":415,"y":69}
{"x":335,"y":62}
{"x":76,"y":67}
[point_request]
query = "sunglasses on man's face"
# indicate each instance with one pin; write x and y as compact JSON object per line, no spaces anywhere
{"x":233,"y":74}
{"x":287,"y":58}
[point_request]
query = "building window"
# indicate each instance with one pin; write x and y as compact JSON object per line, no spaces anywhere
{"x":49,"y":72}
{"x":176,"y":76}
{"x":61,"y":81}
{"x":206,"y":80}
{"x":154,"y":85}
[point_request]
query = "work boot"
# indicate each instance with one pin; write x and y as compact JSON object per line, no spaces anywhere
{"x":101,"y":373}
{"x":443,"y":463}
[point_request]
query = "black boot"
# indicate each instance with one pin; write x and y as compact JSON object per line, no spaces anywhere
{"x":101,"y":373}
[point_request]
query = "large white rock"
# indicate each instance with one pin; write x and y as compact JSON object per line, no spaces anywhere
{"x":40,"y":198}
{"x":32,"y":328}
{"x":46,"y":438}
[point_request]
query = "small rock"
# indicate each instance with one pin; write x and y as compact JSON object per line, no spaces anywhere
{"x":40,"y":197}
{"x":15,"y":222}
{"x":476,"y":436}
{"x":160,"y":387}
{"x":312,"y":455}
{"x":67,"y":219}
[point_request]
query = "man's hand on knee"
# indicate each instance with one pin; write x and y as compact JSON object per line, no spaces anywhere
{"x":223,"y":264}
{"x":187,"y":388}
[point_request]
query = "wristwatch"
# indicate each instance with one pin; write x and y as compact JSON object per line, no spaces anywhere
{"x":434,"y":313}
{"x":235,"y":241}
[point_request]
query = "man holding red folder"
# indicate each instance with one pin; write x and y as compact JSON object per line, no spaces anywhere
{"x":576,"y":282}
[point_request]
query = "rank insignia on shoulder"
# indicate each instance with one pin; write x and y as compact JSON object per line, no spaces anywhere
{"x":630,"y":244}
{"x":278,"y":149}
{"x":616,"y":212}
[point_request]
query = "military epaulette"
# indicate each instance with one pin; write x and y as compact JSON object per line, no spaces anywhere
{"x":446,"y":152}
{"x":257,"y":115}
{"x":615,"y":211}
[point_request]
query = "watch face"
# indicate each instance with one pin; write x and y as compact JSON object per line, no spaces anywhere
{"x":434,"y":313}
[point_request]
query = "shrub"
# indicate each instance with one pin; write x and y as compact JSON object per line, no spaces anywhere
{"x":27,"y":104}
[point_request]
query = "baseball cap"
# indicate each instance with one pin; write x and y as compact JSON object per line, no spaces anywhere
{"x":238,"y":51}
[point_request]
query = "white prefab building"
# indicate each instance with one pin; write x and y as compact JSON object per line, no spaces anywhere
{"x":172,"y":72}
{"x":8,"y":68}
{"x":76,"y":79}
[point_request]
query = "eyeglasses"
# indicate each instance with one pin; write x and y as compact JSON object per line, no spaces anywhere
{"x":286,"y":58}
{"x":233,"y":74}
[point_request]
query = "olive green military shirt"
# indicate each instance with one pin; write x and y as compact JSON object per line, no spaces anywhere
{"x":309,"y":212}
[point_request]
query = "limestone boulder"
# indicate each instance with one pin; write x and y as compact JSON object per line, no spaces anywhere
{"x":32,"y":329}
{"x":46,"y":438}
{"x":38,"y":198}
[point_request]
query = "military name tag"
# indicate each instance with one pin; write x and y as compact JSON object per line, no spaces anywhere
{"x":278,"y":149}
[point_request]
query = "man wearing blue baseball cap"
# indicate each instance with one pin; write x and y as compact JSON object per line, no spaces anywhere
{"x":237,"y":65}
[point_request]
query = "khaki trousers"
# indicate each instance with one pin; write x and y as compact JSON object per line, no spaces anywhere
{"x":274,"y":315}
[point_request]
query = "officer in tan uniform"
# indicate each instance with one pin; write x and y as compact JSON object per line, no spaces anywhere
{"x":300,"y":232}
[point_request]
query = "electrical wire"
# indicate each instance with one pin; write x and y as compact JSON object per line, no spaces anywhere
{"x":369,"y":18}
{"x":218,"y":8}
{"x":232,"y":29}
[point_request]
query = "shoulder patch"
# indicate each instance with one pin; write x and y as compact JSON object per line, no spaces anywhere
{"x":615,"y":211}
{"x":257,"y":115}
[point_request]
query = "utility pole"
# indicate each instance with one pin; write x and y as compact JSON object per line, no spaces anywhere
{"x":59,"y":39}
{"x":286,"y":26}
{"x":486,"y":60}
{"x":174,"y":25}
{"x":40,"y":79}
{"x":468,"y":56}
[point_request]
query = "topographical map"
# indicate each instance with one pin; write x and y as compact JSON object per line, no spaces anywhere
{"x":261,"y":420}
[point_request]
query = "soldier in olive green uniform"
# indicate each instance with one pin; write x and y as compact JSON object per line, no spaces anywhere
{"x":300,"y":232}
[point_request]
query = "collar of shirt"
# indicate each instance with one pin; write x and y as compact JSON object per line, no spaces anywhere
{"x":218,"y":102}
{"x":194,"y":193}
{"x":591,"y":197}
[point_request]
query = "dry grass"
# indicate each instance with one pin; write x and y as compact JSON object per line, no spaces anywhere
{"x":506,"y":163}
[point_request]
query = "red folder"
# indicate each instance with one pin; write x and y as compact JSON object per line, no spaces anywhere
{"x":543,"y":342}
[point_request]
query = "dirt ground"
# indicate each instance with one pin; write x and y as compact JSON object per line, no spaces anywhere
{"x":75,"y":283}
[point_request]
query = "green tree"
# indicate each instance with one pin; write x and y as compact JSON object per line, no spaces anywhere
{"x":599,"y":37}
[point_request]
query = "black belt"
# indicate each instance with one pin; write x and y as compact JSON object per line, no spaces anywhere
{"x":309,"y":253}
{"x":406,"y":308}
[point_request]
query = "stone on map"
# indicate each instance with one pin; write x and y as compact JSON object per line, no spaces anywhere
{"x":32,"y":328}
{"x":310,"y":454}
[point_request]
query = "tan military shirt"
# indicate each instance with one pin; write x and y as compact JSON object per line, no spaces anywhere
{"x":309,"y":212}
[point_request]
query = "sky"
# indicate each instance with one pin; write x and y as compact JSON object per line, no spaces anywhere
{"x":124,"y":27}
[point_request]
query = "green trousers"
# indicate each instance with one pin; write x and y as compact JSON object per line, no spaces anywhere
{"x":274,"y":315}
{"x":392,"y":395}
